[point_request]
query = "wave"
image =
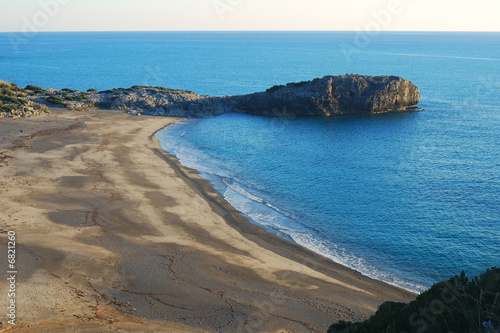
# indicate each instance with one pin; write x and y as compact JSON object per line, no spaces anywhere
{"x":282,"y":223}
{"x":265,"y":213}
{"x":238,"y":187}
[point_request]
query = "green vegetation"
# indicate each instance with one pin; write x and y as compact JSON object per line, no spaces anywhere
{"x":9,"y":97}
{"x":8,"y":107}
{"x":80,"y":97}
{"x":69,"y":90}
{"x":12,"y":100}
{"x":92,"y":90}
{"x":35,"y":89}
{"x":56,"y":100}
{"x":67,"y":97}
{"x":9,"y":88}
{"x":456,"y":305}
{"x":83,"y":108}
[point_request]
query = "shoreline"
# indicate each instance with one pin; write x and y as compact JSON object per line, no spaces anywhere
{"x":177,"y":164}
{"x":151,"y":245}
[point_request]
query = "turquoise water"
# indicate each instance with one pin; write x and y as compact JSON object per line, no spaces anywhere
{"x":408,"y":198}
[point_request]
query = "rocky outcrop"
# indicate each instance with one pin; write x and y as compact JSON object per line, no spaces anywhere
{"x":322,"y":97}
{"x":333,"y":95}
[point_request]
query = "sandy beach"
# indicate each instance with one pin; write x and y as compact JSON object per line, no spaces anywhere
{"x":114,"y":235}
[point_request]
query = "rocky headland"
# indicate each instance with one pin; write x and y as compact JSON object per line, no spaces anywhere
{"x":321,"y":97}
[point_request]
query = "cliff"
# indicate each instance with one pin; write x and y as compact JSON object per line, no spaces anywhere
{"x":333,"y":95}
{"x":322,"y":97}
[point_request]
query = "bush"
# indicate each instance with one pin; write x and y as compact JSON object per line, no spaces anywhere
{"x":80,"y":97}
{"x":67,"y":97}
{"x":9,"y":99}
{"x":92,"y":90}
{"x":35,"y":89}
{"x":6,"y":90}
{"x":56,"y":100}
{"x":456,"y":305}
{"x":8,"y":108}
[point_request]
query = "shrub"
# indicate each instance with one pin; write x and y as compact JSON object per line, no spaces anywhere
{"x":80,"y":97}
{"x":456,"y":305}
{"x":67,"y":97}
{"x":92,"y":90}
{"x":56,"y":100}
{"x":6,"y":91}
{"x":35,"y":89}
{"x":9,"y":99}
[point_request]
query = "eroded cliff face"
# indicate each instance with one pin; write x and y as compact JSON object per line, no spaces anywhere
{"x":333,"y":95}
{"x":322,"y":97}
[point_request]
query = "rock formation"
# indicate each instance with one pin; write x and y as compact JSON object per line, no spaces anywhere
{"x":333,"y":95}
{"x":322,"y":97}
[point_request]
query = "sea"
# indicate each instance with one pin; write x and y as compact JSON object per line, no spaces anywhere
{"x":408,"y":198}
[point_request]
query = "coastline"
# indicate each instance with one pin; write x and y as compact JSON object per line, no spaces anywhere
{"x":218,"y":178}
{"x":134,"y":238}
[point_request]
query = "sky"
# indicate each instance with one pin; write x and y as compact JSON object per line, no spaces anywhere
{"x":232,"y":15}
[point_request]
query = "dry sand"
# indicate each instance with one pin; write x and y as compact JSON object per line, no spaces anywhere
{"x":114,"y":235}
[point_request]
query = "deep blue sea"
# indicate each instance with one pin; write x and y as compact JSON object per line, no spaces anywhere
{"x":409,"y":198}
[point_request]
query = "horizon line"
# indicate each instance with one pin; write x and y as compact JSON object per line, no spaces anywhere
{"x":362,"y":31}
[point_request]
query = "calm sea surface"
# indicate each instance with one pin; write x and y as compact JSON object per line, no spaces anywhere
{"x":409,"y":198}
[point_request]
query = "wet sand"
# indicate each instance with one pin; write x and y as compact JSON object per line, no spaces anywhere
{"x":114,"y":235}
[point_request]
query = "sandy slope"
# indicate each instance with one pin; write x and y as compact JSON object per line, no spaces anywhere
{"x":114,"y":235}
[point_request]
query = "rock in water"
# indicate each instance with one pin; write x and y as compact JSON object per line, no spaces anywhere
{"x":333,"y":95}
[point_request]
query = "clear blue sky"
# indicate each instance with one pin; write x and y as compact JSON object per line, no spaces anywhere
{"x":116,"y":15}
